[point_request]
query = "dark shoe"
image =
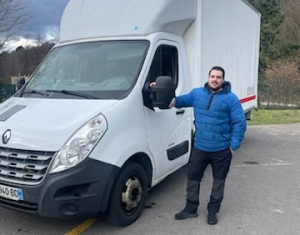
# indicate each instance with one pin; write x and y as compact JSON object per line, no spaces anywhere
{"x":212,"y":218}
{"x":185,"y":215}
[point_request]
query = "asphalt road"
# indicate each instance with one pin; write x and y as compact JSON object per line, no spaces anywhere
{"x":262,"y":196}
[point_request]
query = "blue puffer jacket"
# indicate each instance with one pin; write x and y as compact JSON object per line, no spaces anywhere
{"x":219,"y":118}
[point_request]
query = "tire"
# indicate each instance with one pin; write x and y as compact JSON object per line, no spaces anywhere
{"x":128,"y":195}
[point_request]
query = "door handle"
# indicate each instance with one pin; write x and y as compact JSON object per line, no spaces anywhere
{"x":181,"y":111}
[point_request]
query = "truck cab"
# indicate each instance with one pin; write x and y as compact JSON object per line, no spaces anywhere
{"x":84,"y":135}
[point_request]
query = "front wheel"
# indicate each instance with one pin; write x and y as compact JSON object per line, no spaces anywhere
{"x":128,"y":195}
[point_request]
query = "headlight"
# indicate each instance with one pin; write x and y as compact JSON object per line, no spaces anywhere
{"x":80,"y":144}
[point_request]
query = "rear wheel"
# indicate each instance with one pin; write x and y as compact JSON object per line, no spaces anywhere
{"x":128,"y":196}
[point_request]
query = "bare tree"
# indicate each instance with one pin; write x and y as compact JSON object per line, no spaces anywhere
{"x":12,"y":19}
{"x":290,"y":29}
{"x":283,"y":81}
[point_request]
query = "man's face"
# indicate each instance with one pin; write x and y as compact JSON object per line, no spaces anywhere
{"x":215,"y":80}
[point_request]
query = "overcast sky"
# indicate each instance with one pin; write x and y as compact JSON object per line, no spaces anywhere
{"x":45,"y":16}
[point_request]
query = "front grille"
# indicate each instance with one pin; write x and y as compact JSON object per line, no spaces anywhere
{"x":23,"y":166}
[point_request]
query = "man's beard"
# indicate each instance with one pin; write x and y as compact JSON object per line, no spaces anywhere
{"x":215,"y":88}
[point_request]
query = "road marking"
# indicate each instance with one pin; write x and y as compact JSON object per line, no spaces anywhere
{"x":81,"y":227}
{"x":265,"y":164}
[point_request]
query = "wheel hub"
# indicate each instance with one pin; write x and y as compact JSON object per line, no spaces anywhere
{"x":132,"y":194}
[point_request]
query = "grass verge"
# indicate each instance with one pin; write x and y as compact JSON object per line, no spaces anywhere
{"x":266,"y":116}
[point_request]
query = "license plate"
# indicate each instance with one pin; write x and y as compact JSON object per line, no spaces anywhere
{"x":11,"y":193}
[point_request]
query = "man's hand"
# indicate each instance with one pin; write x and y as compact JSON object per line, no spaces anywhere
{"x":172,"y":103}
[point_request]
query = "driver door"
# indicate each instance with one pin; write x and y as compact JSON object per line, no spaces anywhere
{"x":169,"y":130}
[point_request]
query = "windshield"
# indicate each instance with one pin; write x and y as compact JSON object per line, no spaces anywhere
{"x":94,"y":70}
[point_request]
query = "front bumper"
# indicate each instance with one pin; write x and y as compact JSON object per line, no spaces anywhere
{"x":79,"y":192}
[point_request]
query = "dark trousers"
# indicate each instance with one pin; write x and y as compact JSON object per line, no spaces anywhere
{"x":220,"y":163}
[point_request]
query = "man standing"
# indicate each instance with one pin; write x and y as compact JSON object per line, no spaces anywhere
{"x":220,"y":125}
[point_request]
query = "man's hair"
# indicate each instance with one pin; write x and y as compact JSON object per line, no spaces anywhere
{"x":217,"y":68}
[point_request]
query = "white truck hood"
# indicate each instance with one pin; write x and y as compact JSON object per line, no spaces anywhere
{"x":45,"y":124}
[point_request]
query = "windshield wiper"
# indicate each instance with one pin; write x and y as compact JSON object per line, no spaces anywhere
{"x":75,"y":93}
{"x":35,"y":92}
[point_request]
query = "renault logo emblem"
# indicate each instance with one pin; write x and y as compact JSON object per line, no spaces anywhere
{"x":6,"y":136}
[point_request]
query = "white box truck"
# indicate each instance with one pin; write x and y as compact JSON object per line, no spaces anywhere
{"x":86,"y":135}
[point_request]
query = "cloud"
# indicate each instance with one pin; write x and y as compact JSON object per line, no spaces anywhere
{"x":45,"y":16}
{"x":43,"y":24}
{"x":24,"y":42}
{"x":51,"y":32}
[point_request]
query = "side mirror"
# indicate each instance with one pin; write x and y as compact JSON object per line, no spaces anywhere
{"x":20,"y":83}
{"x":163,"y":92}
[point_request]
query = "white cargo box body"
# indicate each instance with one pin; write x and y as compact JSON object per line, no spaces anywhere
{"x":125,"y":19}
{"x":229,"y":38}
